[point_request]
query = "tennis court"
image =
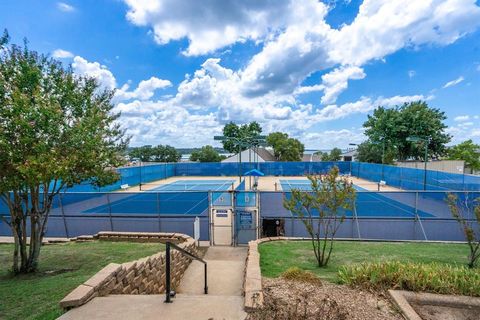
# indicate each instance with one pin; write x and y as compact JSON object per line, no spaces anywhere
{"x":370,"y":204}
{"x":196,"y":185}
{"x":303,"y":184}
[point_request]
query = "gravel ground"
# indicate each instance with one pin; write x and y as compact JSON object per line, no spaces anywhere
{"x":287,"y":299}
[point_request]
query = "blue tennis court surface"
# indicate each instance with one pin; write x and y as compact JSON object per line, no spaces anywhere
{"x":304,"y":185}
{"x":196,"y":185}
{"x":371,"y":204}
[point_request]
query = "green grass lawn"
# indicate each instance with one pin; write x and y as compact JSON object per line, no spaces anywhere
{"x":278,"y":256}
{"x":36,"y":296}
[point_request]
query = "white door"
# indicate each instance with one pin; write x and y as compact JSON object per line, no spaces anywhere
{"x":222,"y":227}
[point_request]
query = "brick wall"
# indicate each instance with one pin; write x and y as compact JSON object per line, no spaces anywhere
{"x":142,"y":276}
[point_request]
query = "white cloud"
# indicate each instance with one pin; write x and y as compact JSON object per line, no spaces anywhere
{"x":94,"y":69}
{"x":145,"y":90}
{"x":65,"y":7}
{"x":453,"y":82}
{"x":211,"y":25}
{"x":62,"y":54}
{"x":208,"y":99}
{"x":296,"y":40}
{"x":464,"y":131}
{"x":380,"y":28}
{"x":330,"y":139}
{"x":462,"y":118}
{"x":363,"y":105}
{"x":336,"y":82}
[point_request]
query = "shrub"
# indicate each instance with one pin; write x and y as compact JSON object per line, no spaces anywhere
{"x":322,"y":210}
{"x":435,"y":278}
{"x":467,"y":212}
{"x":297,"y":274}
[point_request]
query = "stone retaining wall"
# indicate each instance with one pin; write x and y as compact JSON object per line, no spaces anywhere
{"x":252,"y":286}
{"x":142,"y":276}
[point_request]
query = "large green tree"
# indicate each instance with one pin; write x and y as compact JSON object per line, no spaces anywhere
{"x":468,"y":152}
{"x":393,"y":126}
{"x":284,"y":147}
{"x":244,"y":132}
{"x":206,"y":154}
{"x":56,"y":130}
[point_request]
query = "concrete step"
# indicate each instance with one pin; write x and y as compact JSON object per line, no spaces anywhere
{"x":238,"y":254}
{"x":225,"y":273}
{"x":126,"y":307}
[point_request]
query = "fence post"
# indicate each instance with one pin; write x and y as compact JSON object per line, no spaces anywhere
{"x":158,"y":211}
{"x":110,"y":212}
{"x":63,"y":215}
{"x":416,"y":217}
{"x":167,"y":273}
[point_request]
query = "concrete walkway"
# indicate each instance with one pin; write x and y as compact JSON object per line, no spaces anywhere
{"x":225,"y":273}
{"x":223,"y":301}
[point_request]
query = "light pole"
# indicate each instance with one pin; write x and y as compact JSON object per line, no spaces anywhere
{"x":425,"y":140}
{"x":247,"y":141}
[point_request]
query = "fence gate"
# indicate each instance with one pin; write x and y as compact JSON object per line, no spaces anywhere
{"x":221,"y":218}
{"x":246,"y":217}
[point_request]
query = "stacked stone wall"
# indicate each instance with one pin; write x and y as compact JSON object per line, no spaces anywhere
{"x":142,"y":276}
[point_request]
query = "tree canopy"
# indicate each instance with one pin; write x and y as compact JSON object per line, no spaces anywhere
{"x":393,"y":126}
{"x":372,"y":152}
{"x":285,"y":148}
{"x":206,"y":154}
{"x":160,"y":153}
{"x":468,"y":152}
{"x":56,"y":130}
{"x":243,"y":132}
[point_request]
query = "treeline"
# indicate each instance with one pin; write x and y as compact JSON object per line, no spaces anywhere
{"x":160,"y":153}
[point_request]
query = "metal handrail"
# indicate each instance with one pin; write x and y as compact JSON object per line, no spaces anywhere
{"x":168,"y":292}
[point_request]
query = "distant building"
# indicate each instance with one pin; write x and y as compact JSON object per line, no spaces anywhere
{"x":253,"y":155}
{"x":311,"y":157}
{"x":350,"y":155}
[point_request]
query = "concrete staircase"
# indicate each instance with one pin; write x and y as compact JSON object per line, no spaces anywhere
{"x":223,"y":301}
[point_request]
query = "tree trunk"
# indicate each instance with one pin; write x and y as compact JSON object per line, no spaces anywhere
{"x":25,"y":255}
{"x":15,"y":268}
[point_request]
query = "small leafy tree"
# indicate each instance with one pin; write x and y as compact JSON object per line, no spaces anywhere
{"x":334,"y":155}
{"x":322,"y":210}
{"x":468,"y":152}
{"x":206,"y":154}
{"x":56,"y":130}
{"x":467,"y":212}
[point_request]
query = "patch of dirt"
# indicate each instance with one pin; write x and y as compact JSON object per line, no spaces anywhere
{"x":429,"y":312}
{"x":288,"y":299}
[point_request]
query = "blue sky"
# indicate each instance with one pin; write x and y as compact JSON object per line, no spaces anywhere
{"x":182,"y":69}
